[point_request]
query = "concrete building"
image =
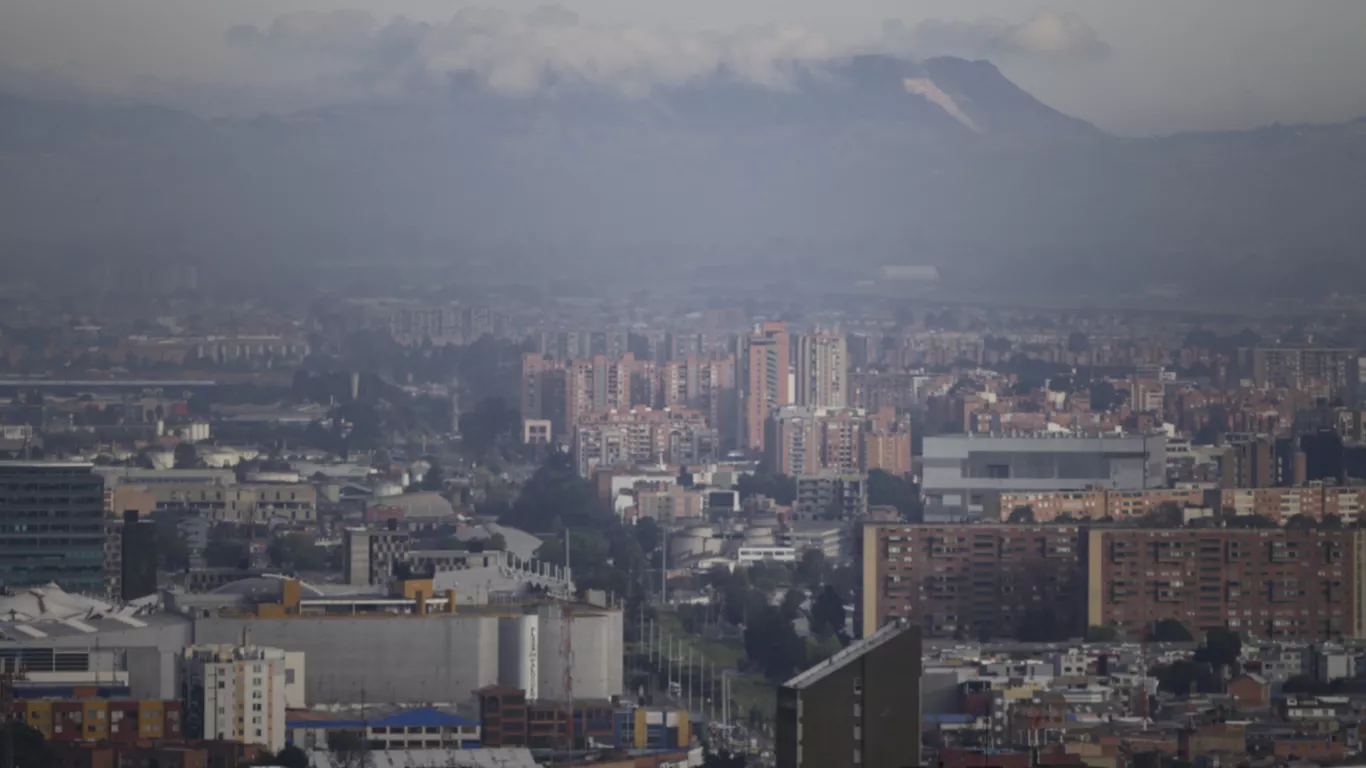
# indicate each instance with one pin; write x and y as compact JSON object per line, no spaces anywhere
{"x":1320,"y":371}
{"x":643,"y":436}
{"x":822,"y":371}
{"x":792,"y":442}
{"x":861,"y":707}
{"x":824,"y":537}
{"x":235,"y":502}
{"x":671,"y":504}
{"x":886,"y":443}
{"x":1249,"y":464}
{"x":964,"y":475}
{"x":765,"y":379}
{"x":446,"y":651}
{"x":236,"y":693}
{"x":370,"y":556}
{"x":86,"y":720}
{"x":969,"y":580}
{"x":1098,"y":503}
{"x":52,"y":525}
{"x":830,"y":495}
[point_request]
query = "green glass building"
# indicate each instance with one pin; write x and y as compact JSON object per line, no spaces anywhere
{"x":51,"y":526}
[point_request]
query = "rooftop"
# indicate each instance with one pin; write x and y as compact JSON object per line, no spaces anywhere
{"x":841,"y":659}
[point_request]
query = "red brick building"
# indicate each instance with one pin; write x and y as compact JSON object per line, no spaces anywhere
{"x":1284,"y":584}
{"x":970,"y":580}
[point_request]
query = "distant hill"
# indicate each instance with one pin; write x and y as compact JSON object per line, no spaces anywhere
{"x":943,"y":162}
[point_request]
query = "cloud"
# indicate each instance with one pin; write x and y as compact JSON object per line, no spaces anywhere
{"x":517,"y":54}
{"x":317,"y":58}
{"x":1045,"y":34}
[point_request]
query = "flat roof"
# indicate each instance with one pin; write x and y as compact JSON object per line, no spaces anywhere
{"x":41,"y":464}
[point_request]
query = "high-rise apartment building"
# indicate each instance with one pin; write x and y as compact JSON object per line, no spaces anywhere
{"x":643,"y":436}
{"x":829,"y":495}
{"x":859,"y":708}
{"x":969,"y":581}
{"x":799,"y":440}
{"x":792,"y":441}
{"x":822,"y":371}
{"x":1281,"y":584}
{"x":766,"y":379}
{"x":52,"y":525}
{"x":1322,"y":371}
{"x":1249,"y":463}
{"x":235,"y":693}
{"x":841,"y":441}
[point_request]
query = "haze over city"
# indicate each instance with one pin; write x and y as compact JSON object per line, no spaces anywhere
{"x":614,"y":384}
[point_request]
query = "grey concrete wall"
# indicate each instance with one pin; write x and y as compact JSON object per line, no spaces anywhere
{"x":597,"y":654}
{"x":392,"y":660}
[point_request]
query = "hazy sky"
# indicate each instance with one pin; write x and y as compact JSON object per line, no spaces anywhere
{"x":1131,"y":66}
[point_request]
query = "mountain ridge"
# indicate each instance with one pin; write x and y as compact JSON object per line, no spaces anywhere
{"x":995,"y":185}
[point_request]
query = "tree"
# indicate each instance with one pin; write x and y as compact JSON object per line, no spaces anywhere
{"x":773,"y":645}
{"x":821,"y":647}
{"x":435,"y":479}
{"x":556,"y":492}
{"x":1331,"y":523}
{"x":1077,"y":342}
{"x":496,"y":542}
{"x":1250,"y":521}
{"x":811,"y":568}
{"x":1021,"y":514}
{"x":291,"y":757}
{"x":27,"y":745}
{"x":172,"y":550}
{"x":647,"y":534}
{"x":186,"y":456}
{"x":1105,"y":634}
{"x":827,"y":611}
{"x":227,"y":553}
{"x":1167,"y":515}
{"x":1221,"y":649}
{"x":886,"y":489}
{"x":1300,"y":522}
{"x":491,"y":421}
{"x":1182,"y":677}
{"x":779,"y":487}
{"x":1170,"y":631}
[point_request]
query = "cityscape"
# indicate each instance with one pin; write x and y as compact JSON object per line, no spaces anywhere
{"x":387,"y":389}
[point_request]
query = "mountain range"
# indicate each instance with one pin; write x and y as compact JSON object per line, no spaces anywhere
{"x":864,"y":159}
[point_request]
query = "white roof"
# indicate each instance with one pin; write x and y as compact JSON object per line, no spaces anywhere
{"x":452,"y":758}
{"x":52,"y":604}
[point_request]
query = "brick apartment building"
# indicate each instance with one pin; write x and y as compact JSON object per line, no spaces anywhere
{"x":1281,"y":584}
{"x":970,"y":580}
{"x":1280,"y":504}
{"x":965,"y":580}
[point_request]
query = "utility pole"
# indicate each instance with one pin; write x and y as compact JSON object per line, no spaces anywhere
{"x":690,"y":682}
{"x":664,"y":570}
